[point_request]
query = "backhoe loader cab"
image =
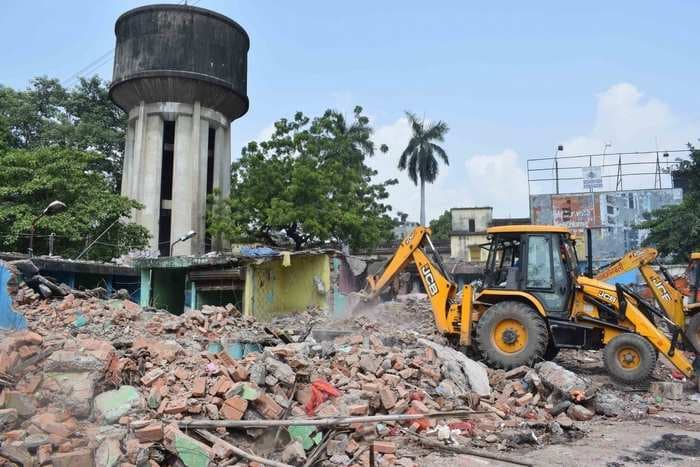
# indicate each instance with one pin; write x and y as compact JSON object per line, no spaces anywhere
{"x":539,"y":260}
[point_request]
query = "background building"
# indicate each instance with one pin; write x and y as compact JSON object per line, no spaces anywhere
{"x":613,"y":217}
{"x":181,"y":74}
{"x":469,"y":231}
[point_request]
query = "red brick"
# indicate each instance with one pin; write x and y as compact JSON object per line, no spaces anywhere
{"x":388,"y":397}
{"x":240,"y":373}
{"x":176,"y":406}
{"x":351,"y":447}
{"x":431,"y":372}
{"x":226,"y":358}
{"x":8,"y":361}
{"x":267,"y":407}
{"x":31,"y":385}
{"x":199,"y":387}
{"x":524,"y":400}
{"x":150,"y":433}
{"x":234,"y":408}
{"x":27,"y":351}
{"x":358,"y":409}
{"x":28,"y":338}
{"x":80,"y":458}
{"x":181,"y":373}
{"x":151,"y":376}
{"x":419,"y":406}
{"x":44,"y":453}
{"x":222,"y":384}
{"x":384,"y":447}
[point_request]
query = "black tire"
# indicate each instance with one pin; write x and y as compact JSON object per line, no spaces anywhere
{"x":527,"y":348}
{"x":641,"y":354}
{"x":551,"y":352}
{"x":692,"y":331}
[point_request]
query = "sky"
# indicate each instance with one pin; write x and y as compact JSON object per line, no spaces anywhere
{"x":512,"y":79}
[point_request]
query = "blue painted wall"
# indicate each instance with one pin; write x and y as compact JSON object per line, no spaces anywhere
{"x":9,"y":318}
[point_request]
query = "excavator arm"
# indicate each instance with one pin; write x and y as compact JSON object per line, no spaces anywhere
{"x":631,"y":260}
{"x":450,"y":316}
{"x":661,"y":285}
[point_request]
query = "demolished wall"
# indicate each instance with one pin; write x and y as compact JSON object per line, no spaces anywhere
{"x":273,"y":289}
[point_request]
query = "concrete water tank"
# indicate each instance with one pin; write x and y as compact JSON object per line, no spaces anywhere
{"x":181,"y":74}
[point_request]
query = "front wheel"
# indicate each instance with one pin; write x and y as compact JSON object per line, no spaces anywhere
{"x":629,"y":358}
{"x":510,"y":334}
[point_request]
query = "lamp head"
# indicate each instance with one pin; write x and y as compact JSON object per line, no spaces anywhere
{"x":188,"y":235}
{"x":54,"y":207}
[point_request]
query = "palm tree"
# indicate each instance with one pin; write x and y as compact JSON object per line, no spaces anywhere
{"x":419,"y":155}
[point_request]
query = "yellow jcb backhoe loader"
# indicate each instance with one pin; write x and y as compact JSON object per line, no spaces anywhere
{"x":533,"y":302}
{"x":667,"y":291}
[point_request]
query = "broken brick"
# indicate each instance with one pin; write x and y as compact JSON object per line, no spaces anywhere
{"x":388,"y":397}
{"x":199,"y":386}
{"x":384,"y":447}
{"x":234,"y":408}
{"x":267,"y":407}
{"x":150,"y":433}
{"x":151,"y":376}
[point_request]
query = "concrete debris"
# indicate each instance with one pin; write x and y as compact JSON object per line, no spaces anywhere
{"x":464,"y":371}
{"x":667,"y":389}
{"x":114,"y":390}
{"x":565,"y":382}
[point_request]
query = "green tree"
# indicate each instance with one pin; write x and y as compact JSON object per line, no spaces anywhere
{"x":310,"y":182}
{"x":83,"y":118}
{"x":419,"y":155}
{"x":31,"y":178}
{"x":675,"y":230}
{"x":442,"y":226}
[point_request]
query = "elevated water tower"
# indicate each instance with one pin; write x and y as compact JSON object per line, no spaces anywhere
{"x":180,"y":72}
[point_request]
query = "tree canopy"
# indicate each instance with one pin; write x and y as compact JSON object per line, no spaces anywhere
{"x":48,"y":115}
{"x":442,"y":226}
{"x":675,"y":229}
{"x":31,"y":178}
{"x":419,"y":156}
{"x":310,"y":182}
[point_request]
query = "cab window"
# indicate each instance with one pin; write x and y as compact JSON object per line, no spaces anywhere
{"x":539,"y":262}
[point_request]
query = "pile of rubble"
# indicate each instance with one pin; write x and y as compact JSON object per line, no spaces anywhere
{"x":104,"y":382}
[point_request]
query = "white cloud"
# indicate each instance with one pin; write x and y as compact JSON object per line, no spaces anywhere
{"x":498,"y":180}
{"x":629,"y":121}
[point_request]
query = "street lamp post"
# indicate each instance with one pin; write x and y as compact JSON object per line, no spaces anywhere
{"x":53,"y":208}
{"x":187,"y":236}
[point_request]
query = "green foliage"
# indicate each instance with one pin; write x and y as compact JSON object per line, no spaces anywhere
{"x":310,"y":181}
{"x":83,"y":118}
{"x":675,"y":230}
{"x":442,"y":226}
{"x":31,"y":178}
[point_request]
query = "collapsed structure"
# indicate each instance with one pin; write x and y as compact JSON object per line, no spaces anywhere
{"x":101,"y":380}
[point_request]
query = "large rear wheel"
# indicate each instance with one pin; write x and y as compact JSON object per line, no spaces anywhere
{"x":629,"y":358}
{"x":510,"y":334}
